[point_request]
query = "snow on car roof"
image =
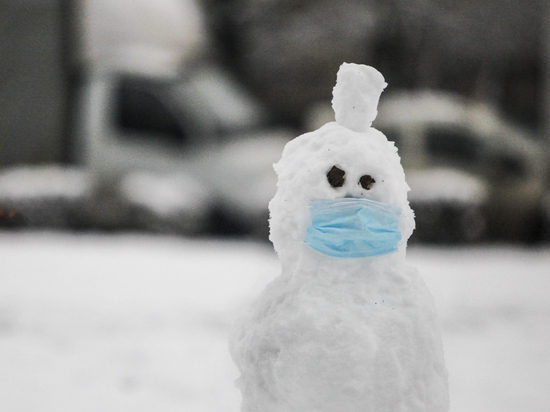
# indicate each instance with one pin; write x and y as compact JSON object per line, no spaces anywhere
{"x":410,"y":107}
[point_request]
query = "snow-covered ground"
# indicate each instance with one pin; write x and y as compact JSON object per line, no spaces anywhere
{"x":139,"y":323}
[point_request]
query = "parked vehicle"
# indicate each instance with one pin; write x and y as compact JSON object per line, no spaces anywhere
{"x":195,"y":149}
{"x":472,"y":174}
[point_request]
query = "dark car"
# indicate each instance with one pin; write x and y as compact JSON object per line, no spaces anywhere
{"x":472,"y":174}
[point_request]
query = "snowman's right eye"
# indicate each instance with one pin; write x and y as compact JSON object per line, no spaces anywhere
{"x":335,"y":177}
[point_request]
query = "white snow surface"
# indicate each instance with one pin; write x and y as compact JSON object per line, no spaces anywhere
{"x":332,"y":334}
{"x":140,"y":323}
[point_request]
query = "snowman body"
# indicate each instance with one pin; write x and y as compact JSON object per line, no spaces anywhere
{"x":333,"y":333}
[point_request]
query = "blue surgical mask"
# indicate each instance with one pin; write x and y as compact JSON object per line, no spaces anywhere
{"x":350,"y":227}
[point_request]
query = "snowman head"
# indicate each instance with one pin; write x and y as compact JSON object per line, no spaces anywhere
{"x":346,"y":159}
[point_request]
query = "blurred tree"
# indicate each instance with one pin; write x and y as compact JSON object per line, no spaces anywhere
{"x":289,"y":50}
{"x":488,"y":49}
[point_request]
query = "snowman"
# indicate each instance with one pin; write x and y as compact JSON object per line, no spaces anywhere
{"x":348,"y":325}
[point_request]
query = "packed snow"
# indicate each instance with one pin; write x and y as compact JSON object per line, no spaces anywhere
{"x":140,"y":323}
{"x":347,"y":325}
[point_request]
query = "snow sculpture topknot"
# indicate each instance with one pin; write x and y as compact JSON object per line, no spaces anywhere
{"x":356,"y":95}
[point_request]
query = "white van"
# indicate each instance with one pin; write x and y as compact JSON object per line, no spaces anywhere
{"x":191,"y":148}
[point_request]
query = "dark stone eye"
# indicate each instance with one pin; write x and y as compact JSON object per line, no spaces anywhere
{"x":366,"y":181}
{"x":335,"y":177}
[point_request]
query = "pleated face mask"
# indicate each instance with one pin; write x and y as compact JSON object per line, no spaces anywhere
{"x":352,"y":228}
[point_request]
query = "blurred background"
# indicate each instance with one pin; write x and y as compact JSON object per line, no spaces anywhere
{"x":166,"y":116}
{"x":136,"y":133}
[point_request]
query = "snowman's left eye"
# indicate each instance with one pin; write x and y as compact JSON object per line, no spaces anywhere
{"x":366,"y":182}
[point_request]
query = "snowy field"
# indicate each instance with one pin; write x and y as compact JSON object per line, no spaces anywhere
{"x":139,"y":323}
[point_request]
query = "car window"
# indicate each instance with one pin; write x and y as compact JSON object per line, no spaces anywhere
{"x":140,"y":108}
{"x":456,"y":145}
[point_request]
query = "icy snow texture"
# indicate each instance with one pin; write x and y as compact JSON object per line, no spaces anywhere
{"x":331,"y":334}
